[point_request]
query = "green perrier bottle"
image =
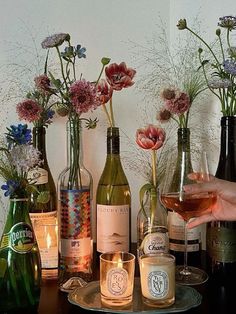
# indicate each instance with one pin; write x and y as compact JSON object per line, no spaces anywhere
{"x":20,"y":266}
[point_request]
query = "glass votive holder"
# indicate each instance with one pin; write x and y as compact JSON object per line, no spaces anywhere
{"x":117,"y":278}
{"x":47,"y":239}
{"x":157,"y":275}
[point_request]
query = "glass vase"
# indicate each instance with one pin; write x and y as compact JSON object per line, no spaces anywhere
{"x":20,"y":265}
{"x":75,"y":195}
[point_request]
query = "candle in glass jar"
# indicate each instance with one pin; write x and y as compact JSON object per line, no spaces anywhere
{"x":157,"y":275}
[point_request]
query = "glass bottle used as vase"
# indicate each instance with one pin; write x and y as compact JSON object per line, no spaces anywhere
{"x":113,"y":201}
{"x":175,"y":221}
{"x":152,"y":230}
{"x":221,"y":235}
{"x":44,"y":215}
{"x":20,"y":265}
{"x":75,"y":195}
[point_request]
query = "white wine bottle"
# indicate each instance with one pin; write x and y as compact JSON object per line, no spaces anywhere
{"x":113,"y":201}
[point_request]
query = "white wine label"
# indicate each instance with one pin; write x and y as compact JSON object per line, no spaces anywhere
{"x":75,"y":247}
{"x":37,"y":176}
{"x":155,"y":243}
{"x":46,"y":232}
{"x":117,"y":281}
{"x":112,"y":228}
{"x":158,"y":284}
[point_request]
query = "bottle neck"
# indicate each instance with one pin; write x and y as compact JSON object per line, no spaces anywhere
{"x":183,"y":140}
{"x":227,"y":160}
{"x":39,"y":141}
{"x":19,"y":206}
{"x":113,"y":141}
{"x":74,"y":143}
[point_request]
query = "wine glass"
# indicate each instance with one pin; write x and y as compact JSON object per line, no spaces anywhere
{"x":188,"y":205}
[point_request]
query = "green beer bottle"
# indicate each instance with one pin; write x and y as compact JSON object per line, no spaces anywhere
{"x":20,"y":266}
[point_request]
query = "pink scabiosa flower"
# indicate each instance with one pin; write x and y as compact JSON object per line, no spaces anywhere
{"x":119,"y":76}
{"x":104,"y":91}
{"x":151,"y":137}
{"x":168,"y":93}
{"x":42,"y":83}
{"x":28,"y":110}
{"x":83,"y":96}
{"x":55,"y":40}
{"x":163,"y":115}
{"x":178,"y":105}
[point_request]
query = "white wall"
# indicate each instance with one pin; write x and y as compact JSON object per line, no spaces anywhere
{"x":105,"y":28}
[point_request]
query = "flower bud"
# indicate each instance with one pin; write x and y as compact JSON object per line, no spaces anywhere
{"x":182,"y":24}
{"x":105,"y":60}
{"x":200,"y":50}
{"x":218,"y":32}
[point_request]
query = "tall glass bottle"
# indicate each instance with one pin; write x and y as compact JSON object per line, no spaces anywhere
{"x":113,"y":201}
{"x":44,"y":214}
{"x":75,"y":196}
{"x":152,"y":229}
{"x":221,"y":235}
{"x":175,"y":222}
{"x":20,"y":266}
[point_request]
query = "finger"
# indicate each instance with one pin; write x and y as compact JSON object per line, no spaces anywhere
{"x":198,"y":176}
{"x":201,"y":187}
{"x":200,"y":220}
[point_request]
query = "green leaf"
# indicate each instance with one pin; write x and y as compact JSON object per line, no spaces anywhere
{"x":55,"y":82}
{"x":43,"y":197}
{"x":30,"y":188}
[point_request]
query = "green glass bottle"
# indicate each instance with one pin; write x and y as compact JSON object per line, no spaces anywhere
{"x":113,"y":201}
{"x":44,"y":215}
{"x":20,"y":266}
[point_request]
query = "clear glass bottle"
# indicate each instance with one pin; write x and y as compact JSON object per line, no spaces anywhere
{"x":20,"y":265}
{"x":113,"y":201}
{"x":75,"y":196}
{"x":44,"y":214}
{"x":221,"y":235}
{"x":152,"y":229}
{"x":175,"y":222}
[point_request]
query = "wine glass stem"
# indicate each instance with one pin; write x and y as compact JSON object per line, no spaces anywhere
{"x":186,"y":269}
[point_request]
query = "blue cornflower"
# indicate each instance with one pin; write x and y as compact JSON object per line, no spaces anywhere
{"x":18,"y":134}
{"x":10,"y":187}
{"x":80,"y":51}
{"x":50,"y":114}
{"x":230,"y":66}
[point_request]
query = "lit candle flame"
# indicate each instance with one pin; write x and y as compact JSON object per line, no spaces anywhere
{"x":49,"y":241}
{"x":117,"y":258}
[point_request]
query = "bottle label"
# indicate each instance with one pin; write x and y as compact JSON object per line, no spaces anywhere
{"x":176,"y":234}
{"x":155,"y":243}
{"x":221,"y":244}
{"x":158,"y":284}
{"x":117,"y":281}
{"x":37,"y":176}
{"x":112,"y":228}
{"x":20,"y":238}
{"x":46,"y":232}
{"x":75,"y":230}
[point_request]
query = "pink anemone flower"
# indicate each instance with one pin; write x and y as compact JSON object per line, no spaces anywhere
{"x":119,"y":76}
{"x":104,"y":91}
{"x":151,"y":137}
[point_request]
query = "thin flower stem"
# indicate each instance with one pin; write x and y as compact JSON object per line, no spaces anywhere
{"x":112,"y":114}
{"x":107,"y":114}
{"x":100,"y":74}
{"x":205,"y":43}
{"x":62,"y":69}
{"x":154,"y":162}
{"x":221,"y":47}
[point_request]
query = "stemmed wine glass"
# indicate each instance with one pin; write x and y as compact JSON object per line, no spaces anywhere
{"x":188,"y":205}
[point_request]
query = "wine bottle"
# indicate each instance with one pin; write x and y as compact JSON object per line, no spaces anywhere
{"x":75,"y":197}
{"x":20,"y":266}
{"x":113,"y":201}
{"x":44,"y":214}
{"x":221,"y":235}
{"x":152,"y":229}
{"x":175,"y":222}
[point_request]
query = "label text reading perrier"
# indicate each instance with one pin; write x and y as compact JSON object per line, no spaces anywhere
{"x":20,"y":238}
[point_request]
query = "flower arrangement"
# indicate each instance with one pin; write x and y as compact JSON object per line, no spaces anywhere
{"x":118,"y":76}
{"x":221,"y":80}
{"x":150,"y":138}
{"x":17,"y":158}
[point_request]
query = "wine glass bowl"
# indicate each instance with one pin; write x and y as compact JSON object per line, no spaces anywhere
{"x":186,"y":203}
